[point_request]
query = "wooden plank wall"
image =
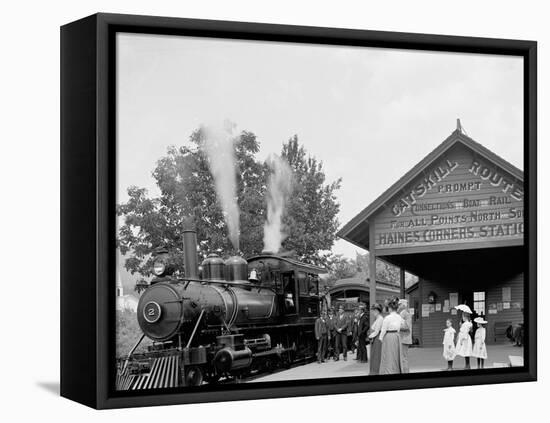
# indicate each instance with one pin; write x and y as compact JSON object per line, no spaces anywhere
{"x":513,"y":314}
{"x":432,"y":326}
{"x":430,"y":330}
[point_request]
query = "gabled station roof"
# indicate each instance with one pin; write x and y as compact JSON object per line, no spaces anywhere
{"x":356,"y":230}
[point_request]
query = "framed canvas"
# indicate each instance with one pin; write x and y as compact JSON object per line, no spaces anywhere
{"x":257,"y":211}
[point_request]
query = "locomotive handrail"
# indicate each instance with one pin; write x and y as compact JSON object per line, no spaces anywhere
{"x":195,"y":329}
{"x":135,"y":346}
{"x":240,"y":284}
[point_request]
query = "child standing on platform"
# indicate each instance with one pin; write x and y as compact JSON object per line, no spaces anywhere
{"x":449,"y":351}
{"x":480,"y":349}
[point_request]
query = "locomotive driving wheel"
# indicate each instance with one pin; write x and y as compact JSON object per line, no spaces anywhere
{"x":193,"y":376}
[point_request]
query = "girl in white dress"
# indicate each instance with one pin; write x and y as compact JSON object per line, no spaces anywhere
{"x":480,"y":349}
{"x":449,"y":350}
{"x":464,"y":341}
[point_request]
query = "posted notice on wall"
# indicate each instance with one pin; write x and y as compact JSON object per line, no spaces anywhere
{"x":453,"y":299}
{"x":446,"y":306}
{"x":506,"y":294}
{"x":425,"y":310}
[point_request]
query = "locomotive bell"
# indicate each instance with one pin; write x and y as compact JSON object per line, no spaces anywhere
{"x":213,"y":268}
{"x":236,"y":269}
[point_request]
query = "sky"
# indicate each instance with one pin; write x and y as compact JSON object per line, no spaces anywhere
{"x":369,"y":114}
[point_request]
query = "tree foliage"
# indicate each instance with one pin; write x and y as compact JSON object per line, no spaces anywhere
{"x":341,"y":267}
{"x":311,"y":220}
{"x":187,"y":189}
{"x":128,"y":333}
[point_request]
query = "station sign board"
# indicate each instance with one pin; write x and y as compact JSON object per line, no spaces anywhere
{"x":461,"y":200}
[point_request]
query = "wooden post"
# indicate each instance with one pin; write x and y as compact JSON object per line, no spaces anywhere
{"x":372,"y":265}
{"x":401,"y":282}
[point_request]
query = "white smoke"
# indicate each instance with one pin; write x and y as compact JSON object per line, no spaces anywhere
{"x":219,"y":142}
{"x":279,"y":188}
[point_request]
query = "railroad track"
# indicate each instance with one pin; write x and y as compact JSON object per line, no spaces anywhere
{"x":259,"y":374}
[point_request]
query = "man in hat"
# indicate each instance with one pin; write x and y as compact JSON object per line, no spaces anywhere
{"x":331,"y":331}
{"x":405,"y":334}
{"x":354,"y":329}
{"x":342,"y":328}
{"x":362,"y":332}
{"x":321,"y":334}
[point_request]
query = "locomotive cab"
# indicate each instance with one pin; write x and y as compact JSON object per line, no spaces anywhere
{"x":296,"y":284}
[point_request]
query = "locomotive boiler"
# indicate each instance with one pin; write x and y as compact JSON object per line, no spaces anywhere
{"x":231,"y":319}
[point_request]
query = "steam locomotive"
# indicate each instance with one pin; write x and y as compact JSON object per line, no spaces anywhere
{"x":233,"y":319}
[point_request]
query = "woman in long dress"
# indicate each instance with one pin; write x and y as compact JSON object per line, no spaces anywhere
{"x":464,"y":340}
{"x":390,"y":361}
{"x":376,"y":344}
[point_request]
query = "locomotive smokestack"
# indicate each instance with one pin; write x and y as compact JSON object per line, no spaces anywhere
{"x":190,"y":260}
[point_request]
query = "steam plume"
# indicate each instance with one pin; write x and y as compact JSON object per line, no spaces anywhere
{"x":219,"y":146}
{"x":279,"y":187}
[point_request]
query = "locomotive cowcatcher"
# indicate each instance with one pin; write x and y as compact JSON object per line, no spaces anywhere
{"x":225,"y":320}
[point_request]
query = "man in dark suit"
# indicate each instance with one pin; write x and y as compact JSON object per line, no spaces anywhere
{"x":342,"y":329}
{"x":321,"y":334}
{"x":354,"y":329}
{"x":331,"y":334}
{"x":362,"y":333}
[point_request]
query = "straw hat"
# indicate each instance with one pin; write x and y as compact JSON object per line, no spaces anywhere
{"x":480,"y":321}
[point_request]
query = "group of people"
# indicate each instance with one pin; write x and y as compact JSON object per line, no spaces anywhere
{"x":389,"y":336}
{"x":333,"y":331}
{"x":463,"y":346}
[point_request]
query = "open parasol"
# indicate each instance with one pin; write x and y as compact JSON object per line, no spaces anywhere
{"x":464,"y":308}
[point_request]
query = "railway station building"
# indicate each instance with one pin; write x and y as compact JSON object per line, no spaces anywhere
{"x":456,"y":221}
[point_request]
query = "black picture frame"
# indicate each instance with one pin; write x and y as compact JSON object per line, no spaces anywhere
{"x":88,"y":206}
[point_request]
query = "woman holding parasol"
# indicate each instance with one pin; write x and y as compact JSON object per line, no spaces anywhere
{"x":464,"y":341}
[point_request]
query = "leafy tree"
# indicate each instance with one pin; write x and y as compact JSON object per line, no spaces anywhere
{"x":384,"y":271}
{"x":311,"y":221}
{"x":340,"y":267}
{"x":187,"y":189}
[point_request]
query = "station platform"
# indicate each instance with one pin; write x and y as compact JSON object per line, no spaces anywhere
{"x":420,"y":360}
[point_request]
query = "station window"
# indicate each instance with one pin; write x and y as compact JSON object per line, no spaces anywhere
{"x":479,"y":302}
